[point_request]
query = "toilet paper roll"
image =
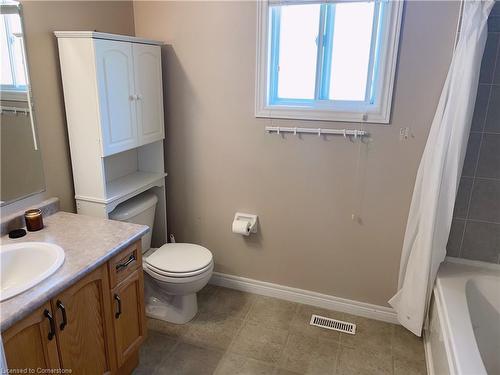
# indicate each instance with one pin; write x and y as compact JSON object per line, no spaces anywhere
{"x":241,"y":227}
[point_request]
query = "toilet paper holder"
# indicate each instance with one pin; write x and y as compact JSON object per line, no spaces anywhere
{"x":249,"y":218}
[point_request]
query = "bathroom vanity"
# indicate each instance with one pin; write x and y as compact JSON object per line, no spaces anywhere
{"x":92,"y":305}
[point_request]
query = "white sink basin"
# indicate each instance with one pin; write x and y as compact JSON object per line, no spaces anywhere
{"x":23,"y":265}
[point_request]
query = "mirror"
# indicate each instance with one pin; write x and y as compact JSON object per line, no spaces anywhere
{"x":21,"y":161}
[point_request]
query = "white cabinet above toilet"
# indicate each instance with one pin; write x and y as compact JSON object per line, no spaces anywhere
{"x":117,"y":115}
{"x":113,"y":94}
{"x":149,"y":91}
{"x":112,"y":89}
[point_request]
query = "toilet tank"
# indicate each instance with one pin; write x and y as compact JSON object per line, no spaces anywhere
{"x":139,"y":210}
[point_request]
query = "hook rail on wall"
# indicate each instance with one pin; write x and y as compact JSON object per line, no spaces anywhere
{"x":318,"y":131}
{"x":14,"y":110}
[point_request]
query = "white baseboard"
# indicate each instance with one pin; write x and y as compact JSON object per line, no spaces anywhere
{"x":307,"y":297}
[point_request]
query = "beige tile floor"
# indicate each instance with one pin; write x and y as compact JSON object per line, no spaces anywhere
{"x":237,"y":333}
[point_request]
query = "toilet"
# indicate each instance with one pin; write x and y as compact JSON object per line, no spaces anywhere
{"x":174,"y":272}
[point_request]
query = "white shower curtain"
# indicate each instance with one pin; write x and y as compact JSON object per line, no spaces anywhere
{"x":438,"y":175}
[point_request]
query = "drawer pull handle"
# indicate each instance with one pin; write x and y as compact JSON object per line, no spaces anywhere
{"x":119,"y":312}
{"x":61,"y":307}
{"x":52,"y":331}
{"x":124,"y":265}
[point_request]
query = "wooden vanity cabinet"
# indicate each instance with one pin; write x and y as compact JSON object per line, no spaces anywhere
{"x":31,"y":342}
{"x":83,"y":325}
{"x":92,"y":327}
{"x":129,"y":318}
{"x":127,"y":295}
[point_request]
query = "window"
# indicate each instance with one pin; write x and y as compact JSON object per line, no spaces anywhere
{"x":13,"y":71}
{"x":329,"y":60}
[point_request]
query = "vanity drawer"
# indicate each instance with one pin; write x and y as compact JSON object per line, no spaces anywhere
{"x":125,"y":263}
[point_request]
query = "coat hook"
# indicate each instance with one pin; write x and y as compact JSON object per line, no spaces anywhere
{"x":319,"y":132}
{"x":295,"y":131}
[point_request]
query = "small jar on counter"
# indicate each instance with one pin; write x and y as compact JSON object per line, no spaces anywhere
{"x":34,"y":220}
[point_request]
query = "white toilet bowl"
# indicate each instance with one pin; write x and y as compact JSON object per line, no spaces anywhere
{"x":174,"y":272}
{"x":171,"y":288}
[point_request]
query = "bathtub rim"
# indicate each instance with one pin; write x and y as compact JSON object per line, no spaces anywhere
{"x":473,"y":263}
{"x":454,"y":271}
{"x":429,"y":360}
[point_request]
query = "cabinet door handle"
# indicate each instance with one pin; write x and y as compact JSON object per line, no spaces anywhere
{"x":119,"y":312}
{"x":125,"y":264}
{"x":61,"y":307}
{"x":52,"y":331}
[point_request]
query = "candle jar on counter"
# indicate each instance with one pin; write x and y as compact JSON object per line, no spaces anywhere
{"x":34,"y":220}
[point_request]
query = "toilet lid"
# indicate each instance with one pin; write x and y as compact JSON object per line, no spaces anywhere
{"x":155,"y":272}
{"x":180,"y":258}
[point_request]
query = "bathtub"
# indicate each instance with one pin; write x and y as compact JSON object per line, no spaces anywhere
{"x":463,"y":332}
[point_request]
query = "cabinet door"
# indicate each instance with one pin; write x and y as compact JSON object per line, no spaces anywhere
{"x":149,"y":90}
{"x":83,"y":325}
{"x":31,"y":343}
{"x":129,"y":316}
{"x":117,"y":95}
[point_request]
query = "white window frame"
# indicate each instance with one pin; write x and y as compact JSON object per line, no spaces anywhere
{"x":377,"y":112}
{"x":13,"y":92}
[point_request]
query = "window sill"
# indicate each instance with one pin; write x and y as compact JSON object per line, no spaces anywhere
{"x":315,"y":114}
{"x":14,"y":96}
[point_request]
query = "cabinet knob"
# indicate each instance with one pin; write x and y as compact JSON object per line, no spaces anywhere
{"x":133,"y":97}
{"x":139,"y":97}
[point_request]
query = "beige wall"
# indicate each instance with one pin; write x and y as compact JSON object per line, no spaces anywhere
{"x":21,"y":165}
{"x":41,"y":18}
{"x":305,"y":190}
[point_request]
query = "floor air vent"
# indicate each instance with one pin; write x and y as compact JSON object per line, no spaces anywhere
{"x":333,"y":324}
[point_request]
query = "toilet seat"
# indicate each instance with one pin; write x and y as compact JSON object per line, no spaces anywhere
{"x":156,"y":271}
{"x":179,"y":260}
{"x":175,"y":280}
